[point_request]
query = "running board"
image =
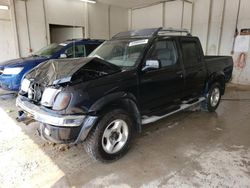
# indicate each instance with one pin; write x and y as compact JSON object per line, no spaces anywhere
{"x":147,"y":120}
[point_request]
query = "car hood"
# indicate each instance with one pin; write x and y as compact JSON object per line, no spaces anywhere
{"x":55,"y":72}
{"x":21,"y":61}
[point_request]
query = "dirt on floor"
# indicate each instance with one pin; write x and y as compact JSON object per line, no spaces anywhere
{"x":189,"y":149}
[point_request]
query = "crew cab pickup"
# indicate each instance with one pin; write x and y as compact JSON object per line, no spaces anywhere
{"x":135,"y":78}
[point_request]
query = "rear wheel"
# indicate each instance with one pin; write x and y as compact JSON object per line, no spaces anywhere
{"x":213,"y":98}
{"x":111,"y":138}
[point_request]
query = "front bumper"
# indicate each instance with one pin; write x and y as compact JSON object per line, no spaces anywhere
{"x":58,"y":128}
{"x":45,"y":117}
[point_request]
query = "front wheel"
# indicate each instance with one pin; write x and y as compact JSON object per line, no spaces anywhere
{"x":213,"y":98}
{"x":111,"y":138}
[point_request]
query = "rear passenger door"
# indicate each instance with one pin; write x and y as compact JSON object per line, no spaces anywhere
{"x":162,"y":87}
{"x":195,"y":70}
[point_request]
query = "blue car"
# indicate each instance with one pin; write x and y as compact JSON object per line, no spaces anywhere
{"x":12,"y":72}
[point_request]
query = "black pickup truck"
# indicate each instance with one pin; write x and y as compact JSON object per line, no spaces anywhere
{"x":135,"y":78}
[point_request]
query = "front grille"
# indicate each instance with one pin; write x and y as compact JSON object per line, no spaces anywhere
{"x":35,"y":92}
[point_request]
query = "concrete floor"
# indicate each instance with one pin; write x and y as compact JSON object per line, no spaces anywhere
{"x":189,"y":149}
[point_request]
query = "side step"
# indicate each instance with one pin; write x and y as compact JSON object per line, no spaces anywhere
{"x":151,"y":119}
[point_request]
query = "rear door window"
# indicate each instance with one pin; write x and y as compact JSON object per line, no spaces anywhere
{"x":190,"y":53}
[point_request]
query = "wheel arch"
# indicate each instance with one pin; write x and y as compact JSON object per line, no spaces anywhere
{"x":122,"y":100}
{"x":216,"y":77}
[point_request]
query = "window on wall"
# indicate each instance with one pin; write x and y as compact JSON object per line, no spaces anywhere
{"x":190,"y":53}
{"x":165,"y":52}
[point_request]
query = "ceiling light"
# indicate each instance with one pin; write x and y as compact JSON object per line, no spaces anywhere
{"x":4,"y":7}
{"x":88,"y":1}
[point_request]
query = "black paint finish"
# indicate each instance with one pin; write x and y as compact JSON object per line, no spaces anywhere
{"x":96,"y":85}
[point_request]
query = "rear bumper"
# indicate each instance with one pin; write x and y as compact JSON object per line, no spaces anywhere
{"x":58,"y":128}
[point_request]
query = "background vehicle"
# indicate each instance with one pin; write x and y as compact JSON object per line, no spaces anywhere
{"x":11,"y":72}
{"x":136,"y":78}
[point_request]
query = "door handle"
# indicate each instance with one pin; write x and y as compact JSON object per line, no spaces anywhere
{"x":147,"y":80}
{"x":180,"y":73}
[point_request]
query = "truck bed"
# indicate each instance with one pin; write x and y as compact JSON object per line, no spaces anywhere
{"x":220,"y":63}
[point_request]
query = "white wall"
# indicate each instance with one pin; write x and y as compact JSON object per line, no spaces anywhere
{"x":200,"y":20}
{"x":187,"y":15}
{"x":217,"y":35}
{"x":118,"y":20}
{"x":98,"y":20}
{"x":7,"y":43}
{"x":60,"y":34}
{"x":65,"y":12}
{"x":105,"y":21}
{"x":173,"y":14}
{"x":229,"y":27}
{"x":147,"y":17}
{"x":31,"y":26}
{"x":176,"y":14}
{"x":242,"y":75}
{"x":209,"y":32}
{"x":215,"y":27}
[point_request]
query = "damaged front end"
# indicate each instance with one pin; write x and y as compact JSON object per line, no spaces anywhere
{"x":48,"y":91}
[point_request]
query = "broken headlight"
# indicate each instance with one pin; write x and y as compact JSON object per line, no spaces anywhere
{"x":62,"y":101}
{"x":49,"y":96}
{"x":25,"y":85}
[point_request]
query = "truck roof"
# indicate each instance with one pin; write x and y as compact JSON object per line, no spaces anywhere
{"x":151,"y":32}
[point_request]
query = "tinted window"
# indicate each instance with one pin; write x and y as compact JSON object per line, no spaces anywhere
{"x":76,"y":51}
{"x":164,"y":51}
{"x":190,"y":53}
{"x":90,"y":48}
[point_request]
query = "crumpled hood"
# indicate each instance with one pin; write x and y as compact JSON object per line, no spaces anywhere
{"x":55,"y":72}
{"x":21,"y":61}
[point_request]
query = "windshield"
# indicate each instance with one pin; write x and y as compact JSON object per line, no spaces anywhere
{"x":49,"y":50}
{"x":123,"y":53}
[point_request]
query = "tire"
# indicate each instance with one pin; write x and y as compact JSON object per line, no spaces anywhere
{"x":213,"y":98}
{"x":104,"y":136}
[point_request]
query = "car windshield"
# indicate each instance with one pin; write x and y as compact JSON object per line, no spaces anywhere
{"x":123,"y":53}
{"x":49,"y":50}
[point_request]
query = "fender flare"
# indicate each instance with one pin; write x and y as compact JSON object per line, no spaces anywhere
{"x":124,"y":100}
{"x":216,"y":77}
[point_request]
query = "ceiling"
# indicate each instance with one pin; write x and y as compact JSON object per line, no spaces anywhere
{"x":129,"y":3}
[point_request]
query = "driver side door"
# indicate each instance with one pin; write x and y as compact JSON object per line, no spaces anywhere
{"x":162,"y":88}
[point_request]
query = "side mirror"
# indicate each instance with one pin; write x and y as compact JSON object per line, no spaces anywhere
{"x":152,"y":65}
{"x":63,"y":56}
